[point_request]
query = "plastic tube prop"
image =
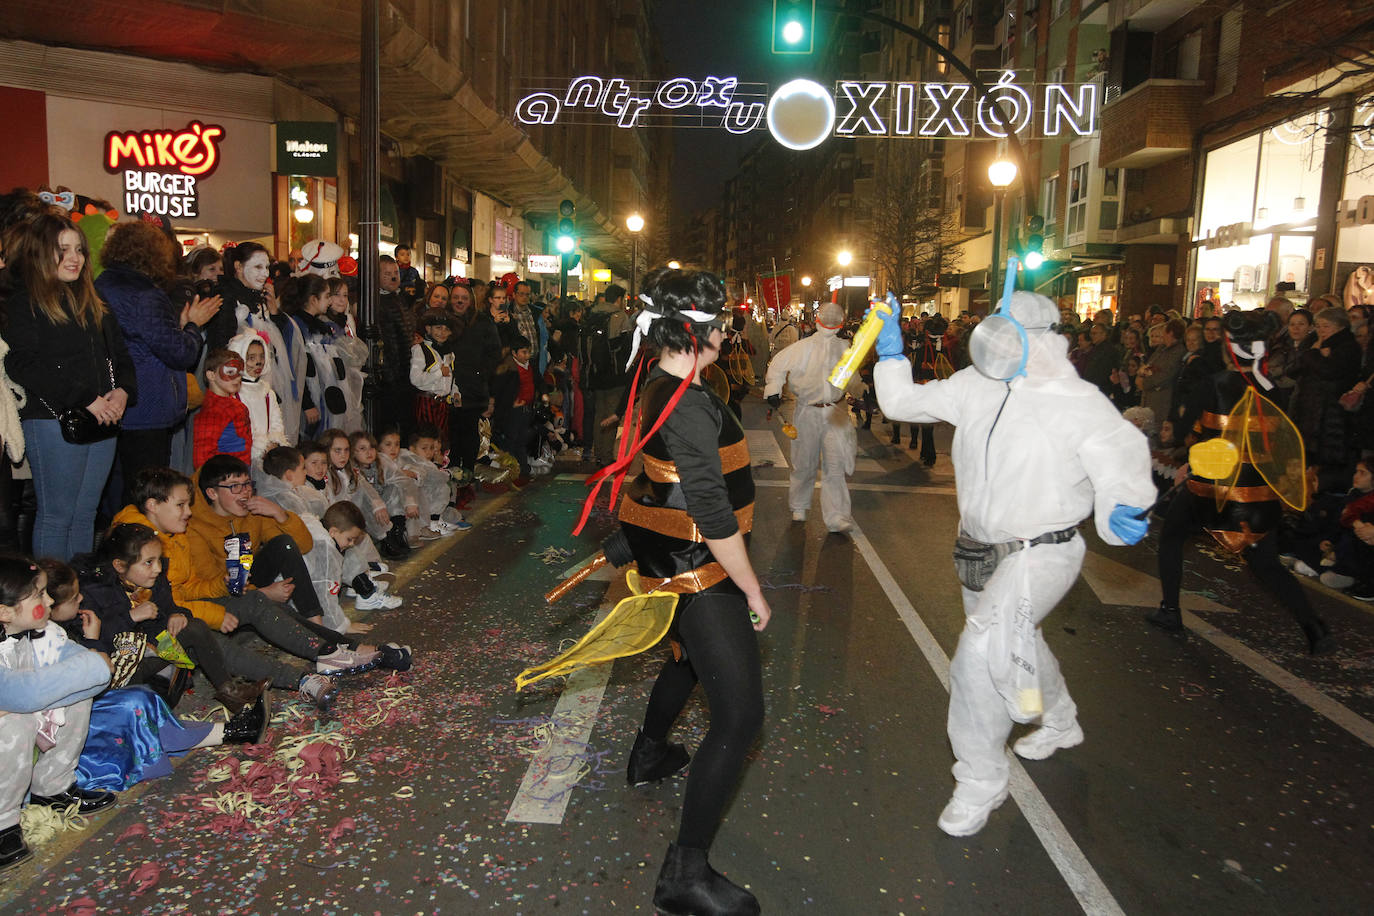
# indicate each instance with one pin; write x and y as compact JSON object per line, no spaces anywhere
{"x":863,"y":342}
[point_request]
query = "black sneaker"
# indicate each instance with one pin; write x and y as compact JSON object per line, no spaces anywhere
{"x":392,"y":656}
{"x":1361,"y":591}
{"x":1166,"y":618}
{"x":87,"y":802}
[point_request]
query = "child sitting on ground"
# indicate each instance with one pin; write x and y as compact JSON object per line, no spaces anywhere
{"x":435,"y":486}
{"x":264,"y":407}
{"x":344,"y":481}
{"x":223,"y":425}
{"x":342,"y":528}
{"x":285,"y":482}
{"x":133,"y":732}
{"x":46,"y":685}
{"x":402,"y":501}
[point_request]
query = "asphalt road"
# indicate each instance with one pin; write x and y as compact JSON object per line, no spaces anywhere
{"x":1224,"y":770}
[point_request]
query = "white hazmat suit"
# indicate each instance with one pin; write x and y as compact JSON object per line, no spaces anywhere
{"x":825,"y":431}
{"x":1031,"y":456}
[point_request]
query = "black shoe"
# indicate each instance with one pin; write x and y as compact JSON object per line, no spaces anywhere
{"x":1166,"y":618}
{"x":1319,"y":638}
{"x":689,"y":886}
{"x":13,"y":849}
{"x":928,"y":462}
{"x":363,"y":585}
{"x":248,"y":725}
{"x":1361,"y":591}
{"x":895,"y":440}
{"x":394,"y":546}
{"x":652,"y":760}
{"x":87,"y":802}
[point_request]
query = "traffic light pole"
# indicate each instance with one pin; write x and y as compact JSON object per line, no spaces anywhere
{"x":369,"y":224}
{"x":562,"y":281}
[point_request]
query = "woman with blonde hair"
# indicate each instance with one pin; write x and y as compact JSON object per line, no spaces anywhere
{"x":67,"y":352}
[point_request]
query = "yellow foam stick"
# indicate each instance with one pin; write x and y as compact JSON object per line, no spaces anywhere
{"x":635,"y":624}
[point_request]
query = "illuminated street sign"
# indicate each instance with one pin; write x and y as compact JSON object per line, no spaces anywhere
{"x":161,"y":167}
{"x":797,"y":110}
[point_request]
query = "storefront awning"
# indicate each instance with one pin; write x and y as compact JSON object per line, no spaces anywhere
{"x":428,"y":103}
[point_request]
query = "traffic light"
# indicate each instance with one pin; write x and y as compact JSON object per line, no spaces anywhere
{"x":1034,"y":255}
{"x":567,"y":239}
{"x":794,"y":26}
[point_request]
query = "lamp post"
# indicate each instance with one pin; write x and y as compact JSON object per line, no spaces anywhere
{"x":634,"y":223}
{"x":1001,"y":173}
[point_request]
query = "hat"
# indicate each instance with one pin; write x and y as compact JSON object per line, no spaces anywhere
{"x":319,"y":257}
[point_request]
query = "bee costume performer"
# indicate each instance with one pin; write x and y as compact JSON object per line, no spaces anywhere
{"x":683,"y":521}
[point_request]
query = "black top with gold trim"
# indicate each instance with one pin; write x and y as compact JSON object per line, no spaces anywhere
{"x":696,"y":484}
{"x":1252,"y":509}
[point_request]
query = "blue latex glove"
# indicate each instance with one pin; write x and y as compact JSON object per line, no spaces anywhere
{"x":1128,"y":523}
{"x":889,"y":344}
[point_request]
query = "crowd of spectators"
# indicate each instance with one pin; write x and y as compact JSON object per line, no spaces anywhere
{"x":187,"y":459}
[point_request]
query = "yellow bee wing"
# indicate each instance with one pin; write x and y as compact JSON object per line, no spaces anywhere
{"x":1274,"y":446}
{"x":635,"y":624}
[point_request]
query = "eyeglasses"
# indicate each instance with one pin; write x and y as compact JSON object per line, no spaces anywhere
{"x":243,"y":486}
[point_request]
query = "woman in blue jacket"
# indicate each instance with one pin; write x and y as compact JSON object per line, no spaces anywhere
{"x":164,"y":342}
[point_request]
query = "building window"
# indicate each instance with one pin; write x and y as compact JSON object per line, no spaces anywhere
{"x":942,"y":37}
{"x":963,"y":21}
{"x":1060,"y":8}
{"x":1076,"y":214}
{"x":1228,"y":51}
{"x":1109,"y":213}
{"x":1049,"y":203}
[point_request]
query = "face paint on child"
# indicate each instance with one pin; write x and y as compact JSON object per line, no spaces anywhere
{"x":254,"y":361}
{"x":365,"y":453}
{"x":316,"y":465}
{"x":31,"y":613}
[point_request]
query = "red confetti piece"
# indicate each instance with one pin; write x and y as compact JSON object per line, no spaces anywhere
{"x":342,"y":827}
{"x":134,"y":831}
{"x":82,"y":906}
{"x":143,"y":878}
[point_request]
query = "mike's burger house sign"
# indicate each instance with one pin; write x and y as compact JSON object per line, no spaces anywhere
{"x":801,"y":114}
{"x":161,"y":168}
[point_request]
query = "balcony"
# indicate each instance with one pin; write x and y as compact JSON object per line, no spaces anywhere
{"x":1149,"y":124}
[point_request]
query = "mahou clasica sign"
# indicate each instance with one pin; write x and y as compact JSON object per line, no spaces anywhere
{"x":161,"y":167}
{"x":802,"y":113}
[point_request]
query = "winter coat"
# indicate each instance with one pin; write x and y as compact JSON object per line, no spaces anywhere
{"x":1157,"y":388}
{"x":61,"y":366}
{"x":1315,"y":406}
{"x":476,"y":352}
{"x":162,"y":351}
{"x":178,"y":570}
{"x":103,"y":593}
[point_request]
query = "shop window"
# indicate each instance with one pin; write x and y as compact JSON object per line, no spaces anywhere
{"x":1355,"y":214}
{"x":1290,"y":171}
{"x":1228,"y":186}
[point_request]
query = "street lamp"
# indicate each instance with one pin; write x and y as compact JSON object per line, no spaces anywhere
{"x":674,"y":265}
{"x":634,"y":223}
{"x":843,"y":259}
{"x":1001,"y":173}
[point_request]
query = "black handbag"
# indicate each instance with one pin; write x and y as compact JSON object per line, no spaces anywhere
{"x":79,"y":426}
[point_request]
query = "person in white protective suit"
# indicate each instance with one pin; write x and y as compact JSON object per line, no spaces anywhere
{"x":825,"y":431}
{"x":1036,"y":450}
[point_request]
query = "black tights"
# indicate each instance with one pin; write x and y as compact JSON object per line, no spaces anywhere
{"x":723,"y":653}
{"x":1181,"y":521}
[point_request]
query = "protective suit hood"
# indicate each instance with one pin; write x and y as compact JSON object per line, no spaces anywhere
{"x":1017,"y":340}
{"x":829,"y":319}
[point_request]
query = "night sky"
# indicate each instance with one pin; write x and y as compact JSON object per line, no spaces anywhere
{"x":718,"y":38}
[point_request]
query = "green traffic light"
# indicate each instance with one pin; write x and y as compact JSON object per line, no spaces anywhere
{"x":565,"y":243}
{"x":1033,"y":260}
{"x":793,"y":32}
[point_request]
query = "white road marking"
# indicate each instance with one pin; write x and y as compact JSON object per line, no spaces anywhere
{"x":1118,"y":584}
{"x":872,"y":487}
{"x":553,"y":772}
{"x":1092,"y":894}
{"x":763,"y":447}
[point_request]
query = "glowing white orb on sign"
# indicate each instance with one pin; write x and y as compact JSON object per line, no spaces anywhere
{"x":801,"y":114}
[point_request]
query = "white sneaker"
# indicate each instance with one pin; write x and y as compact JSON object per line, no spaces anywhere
{"x":1303,"y":569}
{"x":378,"y":568}
{"x":1044,"y":741}
{"x":843,"y":527}
{"x":1332,"y":579}
{"x":429,"y":534}
{"x":962,"y":819}
{"x":380,"y":601}
{"x":378,"y":585}
{"x":798,"y":515}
